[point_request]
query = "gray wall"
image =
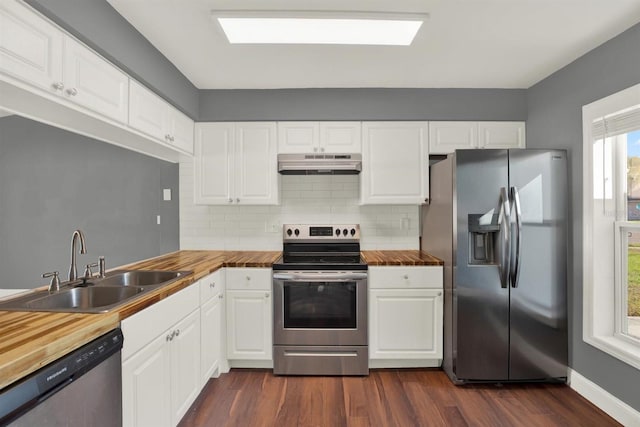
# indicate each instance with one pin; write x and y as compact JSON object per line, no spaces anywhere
{"x":555,"y":120}
{"x":53,"y":182}
{"x":363,"y":104}
{"x":97,"y":24}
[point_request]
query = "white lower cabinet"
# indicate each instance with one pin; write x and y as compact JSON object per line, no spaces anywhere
{"x":211,"y":325}
{"x":161,"y":361}
{"x":249,"y":315}
{"x":405,"y":316}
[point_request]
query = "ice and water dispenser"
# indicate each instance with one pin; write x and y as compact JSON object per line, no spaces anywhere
{"x":484,"y":231}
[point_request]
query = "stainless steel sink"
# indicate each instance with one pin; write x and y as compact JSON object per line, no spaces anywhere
{"x":96,"y":295}
{"x":139,"y":277}
{"x":89,"y":298}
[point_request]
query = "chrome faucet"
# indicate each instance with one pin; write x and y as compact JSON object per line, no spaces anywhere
{"x":73,"y":271}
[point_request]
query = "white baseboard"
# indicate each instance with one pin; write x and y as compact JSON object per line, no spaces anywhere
{"x":610,"y":404}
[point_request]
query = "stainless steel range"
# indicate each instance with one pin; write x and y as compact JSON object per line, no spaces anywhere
{"x":320,"y":302}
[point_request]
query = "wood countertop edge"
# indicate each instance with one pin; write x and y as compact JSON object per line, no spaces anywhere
{"x":18,"y":362}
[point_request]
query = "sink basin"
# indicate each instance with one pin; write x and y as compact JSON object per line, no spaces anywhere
{"x":92,"y":299}
{"x":84,"y":298}
{"x":97,"y":295}
{"x":140,"y":278}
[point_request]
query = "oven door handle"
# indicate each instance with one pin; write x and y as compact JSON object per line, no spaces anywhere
{"x":320,"y":277}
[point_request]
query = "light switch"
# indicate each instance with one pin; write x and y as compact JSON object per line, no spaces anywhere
{"x":166,"y":194}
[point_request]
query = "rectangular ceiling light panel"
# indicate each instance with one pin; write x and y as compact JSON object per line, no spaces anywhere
{"x":391,"y":32}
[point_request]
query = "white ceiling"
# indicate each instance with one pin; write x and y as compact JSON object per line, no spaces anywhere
{"x":464,"y":43}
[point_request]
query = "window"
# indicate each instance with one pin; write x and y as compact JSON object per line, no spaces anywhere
{"x":611,"y":245}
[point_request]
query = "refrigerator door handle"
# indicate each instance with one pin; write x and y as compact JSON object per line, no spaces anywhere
{"x":515,"y":272}
{"x":505,"y":238}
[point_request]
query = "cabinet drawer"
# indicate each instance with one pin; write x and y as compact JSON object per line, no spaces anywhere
{"x":405,"y":277}
{"x":211,"y":285}
{"x":248,"y":279}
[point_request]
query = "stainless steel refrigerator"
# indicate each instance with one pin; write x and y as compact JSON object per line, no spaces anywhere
{"x":498,"y":219}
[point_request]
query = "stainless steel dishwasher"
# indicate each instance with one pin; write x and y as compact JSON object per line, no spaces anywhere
{"x":82,"y":388}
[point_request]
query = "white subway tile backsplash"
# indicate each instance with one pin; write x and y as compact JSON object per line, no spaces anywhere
{"x":303,"y":199}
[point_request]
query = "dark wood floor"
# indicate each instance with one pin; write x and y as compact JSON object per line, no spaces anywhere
{"x":390,"y":397}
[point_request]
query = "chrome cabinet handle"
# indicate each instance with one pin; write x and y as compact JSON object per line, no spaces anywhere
{"x":220,"y":296}
{"x":322,"y":149}
{"x":315,"y":149}
{"x":266,"y":294}
{"x":248,"y":278}
{"x":230,"y":200}
{"x":238,"y":200}
{"x":167,"y":137}
{"x":172,"y":138}
{"x":212,"y":285}
{"x":177,"y":332}
{"x":169,"y":337}
{"x":73,"y":91}
{"x":58,"y":86}
{"x":406,"y":277}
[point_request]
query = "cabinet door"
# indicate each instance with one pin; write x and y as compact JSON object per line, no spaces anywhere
{"x":147,"y":112}
{"x":446,"y":137}
{"x":212,"y":163}
{"x":146,"y":385}
{"x":501,"y":134}
{"x":395,"y":163}
{"x":340,"y":137}
{"x":185,"y":365}
{"x":180,"y":130}
{"x":298,"y":137}
{"x":210,"y":325}
{"x":30,"y":47}
{"x":249,"y":325}
{"x":94,"y":83}
{"x":405,"y":324}
{"x":256,"y":172}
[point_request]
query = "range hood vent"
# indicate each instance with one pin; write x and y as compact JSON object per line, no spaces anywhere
{"x":319,"y":164}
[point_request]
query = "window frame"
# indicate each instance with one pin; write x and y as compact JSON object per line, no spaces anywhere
{"x":602,"y":299}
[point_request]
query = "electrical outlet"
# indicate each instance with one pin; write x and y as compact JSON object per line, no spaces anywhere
{"x":166,"y":194}
{"x":158,"y":219}
{"x":405,"y":223}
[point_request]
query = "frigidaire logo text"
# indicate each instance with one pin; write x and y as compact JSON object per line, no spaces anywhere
{"x":56,"y":374}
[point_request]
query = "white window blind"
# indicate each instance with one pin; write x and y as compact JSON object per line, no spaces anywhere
{"x":623,"y":121}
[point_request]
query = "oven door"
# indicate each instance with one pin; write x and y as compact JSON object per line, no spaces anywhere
{"x":320,"y":308}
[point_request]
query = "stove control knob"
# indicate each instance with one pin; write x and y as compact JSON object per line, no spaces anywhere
{"x":353,"y":231}
{"x":345,"y":232}
{"x":297,"y":232}
{"x":289,"y":232}
{"x":337,"y":231}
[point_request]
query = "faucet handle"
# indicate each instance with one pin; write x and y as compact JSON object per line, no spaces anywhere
{"x":54,"y":285}
{"x":88,"y":274}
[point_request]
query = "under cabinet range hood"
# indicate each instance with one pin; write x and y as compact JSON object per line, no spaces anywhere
{"x":319,"y":164}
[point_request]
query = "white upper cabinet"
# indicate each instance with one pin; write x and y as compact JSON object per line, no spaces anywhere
{"x":501,"y":134}
{"x":152,"y":115}
{"x":395,"y":163}
{"x":39,"y":54}
{"x":319,"y":137}
{"x":446,"y":137}
{"x":94,"y":83}
{"x":236,"y":163}
{"x":30,"y":47}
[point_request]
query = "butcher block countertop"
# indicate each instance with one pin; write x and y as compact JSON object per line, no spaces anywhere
{"x":31,"y":340}
{"x":409,"y":257}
